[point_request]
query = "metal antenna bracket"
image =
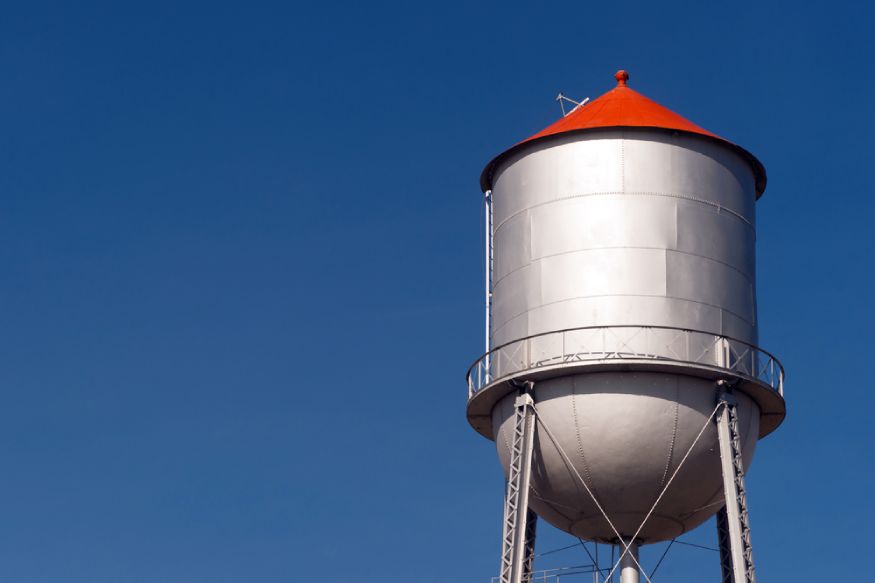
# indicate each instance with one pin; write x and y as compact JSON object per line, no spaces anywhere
{"x":562,"y":99}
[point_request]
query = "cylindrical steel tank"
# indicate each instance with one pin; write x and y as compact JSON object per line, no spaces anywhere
{"x":624,"y":231}
{"x":624,"y":226}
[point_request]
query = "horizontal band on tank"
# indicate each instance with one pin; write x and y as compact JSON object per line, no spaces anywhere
{"x":498,"y":328}
{"x":644,"y":348}
{"x":691,"y":198}
{"x":741,"y":272}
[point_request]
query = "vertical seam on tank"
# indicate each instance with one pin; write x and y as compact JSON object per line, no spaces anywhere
{"x":674,"y":434}
{"x":586,"y":472}
{"x":623,"y":161}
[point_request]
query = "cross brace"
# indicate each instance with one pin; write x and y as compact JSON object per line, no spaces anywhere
{"x":733,"y":525}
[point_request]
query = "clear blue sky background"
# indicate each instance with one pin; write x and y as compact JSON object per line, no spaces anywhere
{"x":240,"y":275}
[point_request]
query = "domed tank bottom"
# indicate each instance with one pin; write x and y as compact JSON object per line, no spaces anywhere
{"x":625,"y":433}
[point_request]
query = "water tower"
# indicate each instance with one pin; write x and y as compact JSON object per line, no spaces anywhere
{"x":622,"y":382}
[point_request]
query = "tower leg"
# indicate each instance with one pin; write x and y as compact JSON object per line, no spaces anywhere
{"x":732,"y":522}
{"x":529,"y":546}
{"x":518,"y":542}
{"x":628,"y":565}
{"x":723,"y":544}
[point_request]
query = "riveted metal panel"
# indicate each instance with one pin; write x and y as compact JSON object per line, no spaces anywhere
{"x":717,"y":235}
{"x":516,"y":293}
{"x":621,"y":310}
{"x":603,"y":272}
{"x":516,"y":327}
{"x":687,"y":166}
{"x":513,"y":239}
{"x":600,"y":221}
{"x":545,"y":173}
{"x":624,"y":215}
{"x":699,"y":279}
{"x":735,"y":327}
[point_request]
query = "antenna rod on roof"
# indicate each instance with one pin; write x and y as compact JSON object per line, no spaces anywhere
{"x":561,"y":98}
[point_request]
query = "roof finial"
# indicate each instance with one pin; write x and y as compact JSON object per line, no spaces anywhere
{"x":621,"y":76}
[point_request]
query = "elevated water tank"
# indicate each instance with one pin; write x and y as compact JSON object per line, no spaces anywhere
{"x":623,"y":284}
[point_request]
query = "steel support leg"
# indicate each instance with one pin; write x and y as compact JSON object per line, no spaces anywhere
{"x":518,"y":542}
{"x":733,"y":525}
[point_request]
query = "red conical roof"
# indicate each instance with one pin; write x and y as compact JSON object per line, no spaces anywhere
{"x":622,"y":107}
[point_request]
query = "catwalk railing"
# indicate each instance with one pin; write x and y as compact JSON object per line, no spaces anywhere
{"x":612,"y":344}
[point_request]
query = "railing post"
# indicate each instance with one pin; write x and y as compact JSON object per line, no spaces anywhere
{"x":564,"y":350}
{"x":723,"y":353}
{"x":687,"y":345}
{"x":648,"y":336}
{"x":528,"y":353}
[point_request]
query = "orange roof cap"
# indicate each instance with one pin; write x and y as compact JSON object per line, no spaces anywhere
{"x":622,"y":107}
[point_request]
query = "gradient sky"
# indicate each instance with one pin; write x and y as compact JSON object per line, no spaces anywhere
{"x":241,"y":275}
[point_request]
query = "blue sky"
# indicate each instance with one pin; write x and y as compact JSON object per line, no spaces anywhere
{"x":241,"y":275}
